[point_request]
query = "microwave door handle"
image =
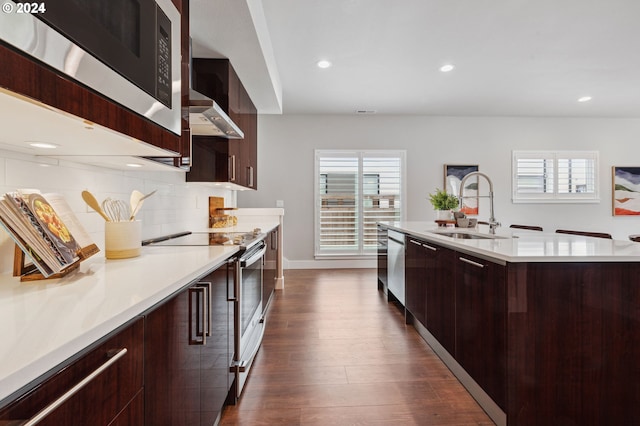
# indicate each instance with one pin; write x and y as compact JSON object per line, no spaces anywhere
{"x":253,"y":259}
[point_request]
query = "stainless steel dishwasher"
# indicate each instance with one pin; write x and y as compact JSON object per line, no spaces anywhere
{"x":395,"y":264}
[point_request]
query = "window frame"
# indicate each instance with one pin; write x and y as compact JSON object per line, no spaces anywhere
{"x":555,"y":196}
{"x":361,"y":251}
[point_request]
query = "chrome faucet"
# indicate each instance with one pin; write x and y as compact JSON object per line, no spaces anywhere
{"x":493,"y":224}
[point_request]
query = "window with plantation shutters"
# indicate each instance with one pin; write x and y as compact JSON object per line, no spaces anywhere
{"x":555,"y":176}
{"x":353,"y":191}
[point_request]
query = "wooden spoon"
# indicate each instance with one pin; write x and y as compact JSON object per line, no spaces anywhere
{"x":93,"y":203}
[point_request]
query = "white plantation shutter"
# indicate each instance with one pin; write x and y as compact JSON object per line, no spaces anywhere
{"x":555,"y":176}
{"x":354,"y":190}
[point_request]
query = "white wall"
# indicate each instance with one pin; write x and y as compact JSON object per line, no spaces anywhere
{"x":286,"y":164}
{"x":177,"y":206}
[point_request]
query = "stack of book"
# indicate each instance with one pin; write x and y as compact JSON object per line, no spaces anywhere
{"x":45,"y":229}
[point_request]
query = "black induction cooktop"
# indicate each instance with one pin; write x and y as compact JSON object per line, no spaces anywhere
{"x":242,"y":239}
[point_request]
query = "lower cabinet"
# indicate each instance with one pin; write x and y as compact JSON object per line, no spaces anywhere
{"x":188,"y":354}
{"x":168,"y":367}
{"x":430,"y":289}
{"x":461,"y":301}
{"x":440,"y":294}
{"x":480,"y":307}
{"x":415,"y":278}
{"x":113,"y":394}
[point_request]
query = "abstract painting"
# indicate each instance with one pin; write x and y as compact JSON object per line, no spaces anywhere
{"x":626,"y":191}
{"x":453,"y":175}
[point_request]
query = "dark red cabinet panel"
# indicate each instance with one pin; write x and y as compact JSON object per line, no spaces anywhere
{"x":188,"y":354}
{"x":114,"y":391}
{"x":480,"y":346}
{"x":574,"y":343}
{"x":218,"y":159}
{"x":441,"y":286}
{"x":415,"y":277}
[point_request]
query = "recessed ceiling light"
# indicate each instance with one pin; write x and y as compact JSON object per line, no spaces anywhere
{"x":134,"y":165}
{"x":447,"y":68}
{"x":44,"y":145}
{"x":324,"y":64}
{"x":584,"y":99}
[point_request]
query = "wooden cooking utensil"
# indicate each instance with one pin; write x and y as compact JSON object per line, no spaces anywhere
{"x":93,"y":203}
{"x":140,"y":200}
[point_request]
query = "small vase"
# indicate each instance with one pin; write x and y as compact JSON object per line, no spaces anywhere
{"x":444,"y":215}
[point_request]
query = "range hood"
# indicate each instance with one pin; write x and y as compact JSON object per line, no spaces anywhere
{"x":206,"y":118}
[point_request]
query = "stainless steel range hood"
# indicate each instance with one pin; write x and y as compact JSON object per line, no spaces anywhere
{"x":206,"y":118}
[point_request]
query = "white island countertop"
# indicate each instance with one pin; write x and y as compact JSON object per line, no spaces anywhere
{"x":517,"y":245}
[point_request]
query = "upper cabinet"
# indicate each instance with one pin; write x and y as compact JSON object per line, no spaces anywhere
{"x":135,"y":86}
{"x":216,"y":159}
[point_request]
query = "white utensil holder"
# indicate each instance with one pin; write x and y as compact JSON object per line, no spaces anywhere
{"x":122,"y":240}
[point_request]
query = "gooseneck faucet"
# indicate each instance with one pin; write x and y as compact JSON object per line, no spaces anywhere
{"x":493,"y":224}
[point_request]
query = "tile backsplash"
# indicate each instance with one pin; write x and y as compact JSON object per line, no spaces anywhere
{"x":176,"y":206}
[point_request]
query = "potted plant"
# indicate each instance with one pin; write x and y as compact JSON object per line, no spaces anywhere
{"x":444,"y":204}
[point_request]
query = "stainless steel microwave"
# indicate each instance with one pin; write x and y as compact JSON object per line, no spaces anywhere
{"x":126,"y":50}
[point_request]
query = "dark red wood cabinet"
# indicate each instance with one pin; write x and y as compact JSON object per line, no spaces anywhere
{"x":113,"y":396}
{"x":430,"y":289}
{"x":415,"y":277}
{"x":480,"y":318}
{"x":549,"y":343}
{"x":188,"y":353}
{"x":218,"y":159}
{"x":574,"y":344}
{"x":440,"y":294}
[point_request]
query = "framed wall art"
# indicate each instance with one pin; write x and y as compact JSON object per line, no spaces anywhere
{"x":453,"y":175}
{"x":626,"y":191}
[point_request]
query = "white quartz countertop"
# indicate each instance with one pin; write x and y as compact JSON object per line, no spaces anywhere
{"x":516,"y":245}
{"x":43,"y":323}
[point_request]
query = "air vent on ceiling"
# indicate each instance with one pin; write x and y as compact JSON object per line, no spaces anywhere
{"x":366,"y":111}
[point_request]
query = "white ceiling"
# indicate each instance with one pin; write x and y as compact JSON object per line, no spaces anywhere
{"x":512,"y":57}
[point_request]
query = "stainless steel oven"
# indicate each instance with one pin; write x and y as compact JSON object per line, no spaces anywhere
{"x":249,"y":320}
{"x":126,"y":50}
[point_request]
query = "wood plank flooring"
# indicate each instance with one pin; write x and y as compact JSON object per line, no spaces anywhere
{"x":336,"y":353}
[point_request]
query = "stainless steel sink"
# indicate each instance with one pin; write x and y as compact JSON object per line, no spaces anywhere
{"x":466,"y":235}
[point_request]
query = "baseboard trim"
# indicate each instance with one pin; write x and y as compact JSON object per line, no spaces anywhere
{"x":331,"y":264}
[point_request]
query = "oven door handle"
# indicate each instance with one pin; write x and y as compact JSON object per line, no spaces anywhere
{"x":242,"y":365}
{"x":244,"y":263}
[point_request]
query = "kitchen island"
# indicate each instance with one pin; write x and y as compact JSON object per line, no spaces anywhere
{"x":541,"y":328}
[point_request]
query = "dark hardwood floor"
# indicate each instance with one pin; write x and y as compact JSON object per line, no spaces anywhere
{"x":336,"y":353}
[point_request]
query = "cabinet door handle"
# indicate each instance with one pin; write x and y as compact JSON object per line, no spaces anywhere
{"x":274,"y":240}
{"x":250,"y":176}
{"x":200,"y":314}
{"x":427,"y":246}
{"x":206,"y":306}
{"x":471,"y":262}
{"x":68,"y":394}
{"x":232,"y":168}
{"x":418,"y":243}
